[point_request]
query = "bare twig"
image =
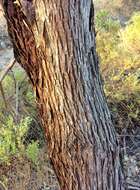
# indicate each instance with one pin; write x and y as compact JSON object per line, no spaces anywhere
{"x":6,"y":69}
{"x":3,"y":74}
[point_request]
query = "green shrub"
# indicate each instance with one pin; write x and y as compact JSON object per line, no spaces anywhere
{"x":11,"y":138}
{"x":32,"y":152}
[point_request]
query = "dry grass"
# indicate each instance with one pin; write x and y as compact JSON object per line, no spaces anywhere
{"x":22,"y":174}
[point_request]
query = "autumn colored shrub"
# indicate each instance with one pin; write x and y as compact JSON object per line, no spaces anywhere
{"x":119,"y":52}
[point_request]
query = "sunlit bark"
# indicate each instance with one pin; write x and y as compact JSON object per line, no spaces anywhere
{"x":55,"y":43}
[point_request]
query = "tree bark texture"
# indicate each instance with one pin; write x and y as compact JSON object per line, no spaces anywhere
{"x":54,"y":41}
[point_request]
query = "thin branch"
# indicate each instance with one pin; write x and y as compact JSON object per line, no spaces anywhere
{"x":14,"y":80}
{"x":6,"y":69}
{"x":3,"y":74}
{"x":17,"y":100}
{"x":3,"y":94}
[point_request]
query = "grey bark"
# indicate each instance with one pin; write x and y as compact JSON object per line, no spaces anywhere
{"x":55,"y":43}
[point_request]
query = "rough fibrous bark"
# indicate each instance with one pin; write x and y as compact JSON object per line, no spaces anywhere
{"x":54,"y":41}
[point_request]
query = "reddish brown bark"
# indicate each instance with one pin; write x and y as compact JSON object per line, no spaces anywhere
{"x":55,"y":43}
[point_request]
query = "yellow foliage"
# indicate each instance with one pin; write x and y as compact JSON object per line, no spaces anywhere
{"x":131,"y":35}
{"x":119,"y":53}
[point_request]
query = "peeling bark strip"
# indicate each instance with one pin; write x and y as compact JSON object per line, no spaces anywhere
{"x":57,"y":51}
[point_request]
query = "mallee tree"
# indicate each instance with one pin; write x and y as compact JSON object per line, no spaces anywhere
{"x":54,"y":41}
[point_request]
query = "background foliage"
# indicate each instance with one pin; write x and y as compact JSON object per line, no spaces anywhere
{"x":22,"y":138}
{"x":119,"y":52}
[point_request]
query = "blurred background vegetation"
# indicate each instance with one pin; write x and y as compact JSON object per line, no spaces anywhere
{"x":21,"y":136}
{"x":118,"y":47}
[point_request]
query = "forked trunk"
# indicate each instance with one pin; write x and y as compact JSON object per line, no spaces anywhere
{"x":55,"y":42}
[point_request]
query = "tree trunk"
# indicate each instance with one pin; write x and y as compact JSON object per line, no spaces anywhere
{"x":55,"y":43}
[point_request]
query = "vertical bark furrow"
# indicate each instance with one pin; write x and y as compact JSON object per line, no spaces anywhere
{"x":56,"y":46}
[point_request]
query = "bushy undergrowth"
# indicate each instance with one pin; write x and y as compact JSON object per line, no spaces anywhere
{"x":119,"y":51}
{"x":12,"y":141}
{"x":20,"y":132}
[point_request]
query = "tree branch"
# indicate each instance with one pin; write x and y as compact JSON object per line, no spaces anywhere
{"x":6,"y":69}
